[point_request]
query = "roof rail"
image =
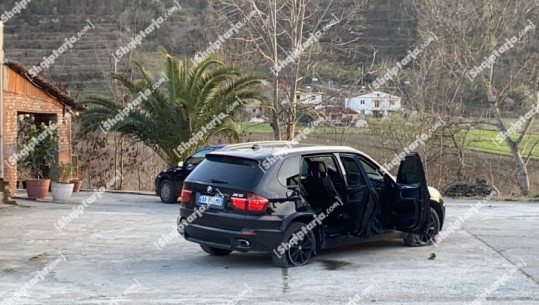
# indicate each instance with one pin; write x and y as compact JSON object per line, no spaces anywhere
{"x":259,"y":144}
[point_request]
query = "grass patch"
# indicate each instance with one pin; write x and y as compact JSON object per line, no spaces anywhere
{"x":480,"y":140}
{"x":256,"y":127}
{"x":484,"y":141}
{"x":266,"y":128}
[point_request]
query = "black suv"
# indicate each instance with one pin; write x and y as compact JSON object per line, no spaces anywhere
{"x":294,"y":201}
{"x":169,"y":181}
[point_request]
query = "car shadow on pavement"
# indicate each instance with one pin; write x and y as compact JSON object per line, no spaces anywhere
{"x":331,"y":259}
{"x":381,"y":245}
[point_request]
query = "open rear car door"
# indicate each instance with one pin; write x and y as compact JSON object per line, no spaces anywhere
{"x":411,"y":210}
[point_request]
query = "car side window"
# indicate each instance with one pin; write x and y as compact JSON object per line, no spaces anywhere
{"x":353,"y":172}
{"x":332,"y":168}
{"x":197,"y":157}
{"x":371,"y":171}
{"x":289,"y":172}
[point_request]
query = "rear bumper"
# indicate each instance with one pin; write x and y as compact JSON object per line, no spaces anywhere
{"x":264,"y":240}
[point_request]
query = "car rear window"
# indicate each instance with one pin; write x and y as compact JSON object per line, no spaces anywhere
{"x":227,"y":170}
{"x":289,"y":172}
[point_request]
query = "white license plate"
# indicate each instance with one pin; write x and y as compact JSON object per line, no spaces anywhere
{"x":211,"y":200}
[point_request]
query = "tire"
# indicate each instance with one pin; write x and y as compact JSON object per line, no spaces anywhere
{"x":168,"y":192}
{"x":415,"y":240}
{"x":215,"y":251}
{"x":298,"y":254}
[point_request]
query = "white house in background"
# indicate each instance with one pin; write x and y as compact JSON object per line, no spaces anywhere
{"x":253,"y":110}
{"x":313,"y":99}
{"x":376,"y":104}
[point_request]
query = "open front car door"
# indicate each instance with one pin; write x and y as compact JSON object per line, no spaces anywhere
{"x":411,"y":210}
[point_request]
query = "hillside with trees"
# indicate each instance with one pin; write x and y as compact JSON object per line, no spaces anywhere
{"x":386,"y":28}
{"x":359,"y":42}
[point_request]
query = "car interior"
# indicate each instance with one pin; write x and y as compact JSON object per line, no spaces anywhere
{"x":320,"y":181}
{"x":322,"y":185}
{"x":319,"y":188}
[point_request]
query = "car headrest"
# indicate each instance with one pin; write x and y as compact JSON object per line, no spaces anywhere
{"x":318,"y":168}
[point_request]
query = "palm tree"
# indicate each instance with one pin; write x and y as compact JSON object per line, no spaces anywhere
{"x":180,"y":109}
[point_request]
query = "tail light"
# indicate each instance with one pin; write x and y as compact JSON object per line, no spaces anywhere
{"x":186,"y":195}
{"x":253,"y":203}
{"x":238,"y":203}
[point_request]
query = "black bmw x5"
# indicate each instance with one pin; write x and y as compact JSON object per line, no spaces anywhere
{"x":293,"y":202}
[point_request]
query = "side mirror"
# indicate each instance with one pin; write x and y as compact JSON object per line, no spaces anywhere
{"x":180,"y":164}
{"x":292,"y":194}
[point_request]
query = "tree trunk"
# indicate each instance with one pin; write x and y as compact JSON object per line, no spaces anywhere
{"x":297,"y":39}
{"x":275,"y":124}
{"x":522,"y":172}
{"x":523,"y":179}
{"x":291,"y":128}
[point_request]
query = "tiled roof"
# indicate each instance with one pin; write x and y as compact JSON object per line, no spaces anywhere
{"x":43,"y":84}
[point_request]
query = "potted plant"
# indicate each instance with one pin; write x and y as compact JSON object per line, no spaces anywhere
{"x":62,"y":187}
{"x":38,"y":154}
{"x":77,"y":181}
{"x":22,"y":176}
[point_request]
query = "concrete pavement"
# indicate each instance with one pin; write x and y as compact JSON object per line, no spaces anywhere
{"x":108,"y":253}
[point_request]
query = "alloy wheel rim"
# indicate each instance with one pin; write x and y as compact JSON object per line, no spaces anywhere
{"x":301,"y":253}
{"x":165,"y":191}
{"x":430,"y":232}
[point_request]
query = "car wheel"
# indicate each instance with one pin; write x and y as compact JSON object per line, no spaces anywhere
{"x":168,"y":192}
{"x":415,"y":240}
{"x":215,"y":251}
{"x":298,"y":253}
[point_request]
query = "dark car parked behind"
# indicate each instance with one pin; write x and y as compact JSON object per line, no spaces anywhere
{"x":168,"y":182}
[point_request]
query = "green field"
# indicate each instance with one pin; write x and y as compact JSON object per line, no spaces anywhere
{"x":482,"y":140}
{"x":266,"y":128}
{"x":256,"y":127}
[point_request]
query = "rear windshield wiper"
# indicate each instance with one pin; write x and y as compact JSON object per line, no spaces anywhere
{"x":218,"y":181}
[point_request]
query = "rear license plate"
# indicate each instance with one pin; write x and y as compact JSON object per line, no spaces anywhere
{"x":215,"y":201}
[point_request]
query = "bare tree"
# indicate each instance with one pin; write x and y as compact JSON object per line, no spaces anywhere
{"x":485,"y":53}
{"x":289,"y":36}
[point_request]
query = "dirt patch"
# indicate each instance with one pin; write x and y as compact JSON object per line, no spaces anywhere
{"x":39,"y":258}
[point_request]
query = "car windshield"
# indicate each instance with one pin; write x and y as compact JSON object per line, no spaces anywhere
{"x":228,"y":170}
{"x":197,"y":157}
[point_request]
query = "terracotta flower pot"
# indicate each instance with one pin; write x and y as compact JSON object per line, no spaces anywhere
{"x":61,"y":191}
{"x":37,"y":188}
{"x":77,"y":185}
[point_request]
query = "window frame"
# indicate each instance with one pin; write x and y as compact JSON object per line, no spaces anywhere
{"x":361,"y":171}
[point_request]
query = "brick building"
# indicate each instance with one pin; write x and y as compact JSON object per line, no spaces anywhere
{"x":23,"y":95}
{"x":20,"y":94}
